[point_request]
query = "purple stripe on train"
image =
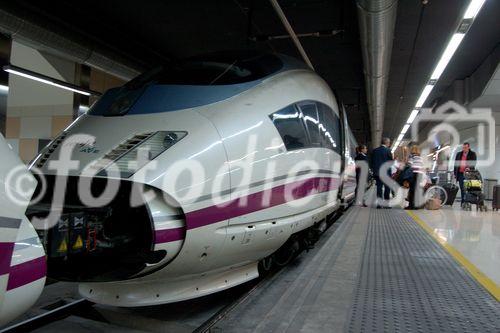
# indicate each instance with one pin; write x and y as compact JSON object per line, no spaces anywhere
{"x":5,"y":257}
{"x":27,"y":272}
{"x":260,"y":200}
{"x":169,"y":235}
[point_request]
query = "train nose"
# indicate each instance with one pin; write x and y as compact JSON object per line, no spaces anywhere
{"x":22,"y":271}
{"x":114,"y":242}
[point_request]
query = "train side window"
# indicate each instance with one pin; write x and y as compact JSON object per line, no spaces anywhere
{"x":310,"y":112}
{"x":329,"y":126}
{"x":288,"y":122}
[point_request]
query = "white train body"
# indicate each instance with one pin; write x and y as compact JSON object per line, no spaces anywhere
{"x":220,"y":201}
{"x":22,"y":258}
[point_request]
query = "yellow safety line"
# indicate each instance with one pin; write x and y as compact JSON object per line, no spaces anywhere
{"x":480,"y":277}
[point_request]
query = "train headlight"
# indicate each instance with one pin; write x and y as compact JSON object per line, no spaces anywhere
{"x":136,"y":152}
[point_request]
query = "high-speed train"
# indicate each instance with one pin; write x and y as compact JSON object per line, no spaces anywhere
{"x":193,"y":178}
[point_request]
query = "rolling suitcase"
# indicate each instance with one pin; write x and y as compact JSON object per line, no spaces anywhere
{"x":496,"y":197}
{"x":451,"y":191}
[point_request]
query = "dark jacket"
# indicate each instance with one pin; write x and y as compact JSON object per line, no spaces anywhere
{"x":470,"y":161}
{"x":361,"y":157}
{"x":380,"y":155}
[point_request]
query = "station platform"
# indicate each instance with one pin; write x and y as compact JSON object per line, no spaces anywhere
{"x":381,"y":270}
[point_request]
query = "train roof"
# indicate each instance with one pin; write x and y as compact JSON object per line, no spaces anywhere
{"x":191,"y":83}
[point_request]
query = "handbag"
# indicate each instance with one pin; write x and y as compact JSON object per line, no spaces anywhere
{"x":406,"y":175}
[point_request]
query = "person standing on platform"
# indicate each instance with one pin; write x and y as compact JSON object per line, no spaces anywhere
{"x":361,"y":160}
{"x":381,"y":156}
{"x":465,"y":160}
{"x":416,"y":165}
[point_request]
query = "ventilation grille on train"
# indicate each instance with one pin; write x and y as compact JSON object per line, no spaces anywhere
{"x":118,"y":151}
{"x":50,"y":149}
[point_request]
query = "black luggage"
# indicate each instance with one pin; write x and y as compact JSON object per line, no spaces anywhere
{"x":496,"y":197}
{"x":451,"y":192}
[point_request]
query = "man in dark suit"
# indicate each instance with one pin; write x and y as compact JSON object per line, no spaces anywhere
{"x":466,"y":159}
{"x":380,"y":156}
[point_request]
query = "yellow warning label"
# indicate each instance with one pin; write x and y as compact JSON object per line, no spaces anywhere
{"x":78,"y":244}
{"x":63,"y":247}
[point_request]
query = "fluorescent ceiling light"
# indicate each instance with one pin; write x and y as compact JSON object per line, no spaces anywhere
{"x":423,"y":96}
{"x":473,"y":9}
{"x":405,"y":129}
{"x":4,"y":88}
{"x":471,"y":12}
{"x":400,"y":137}
{"x":412,"y":116}
{"x":48,"y":80}
{"x":448,"y":53}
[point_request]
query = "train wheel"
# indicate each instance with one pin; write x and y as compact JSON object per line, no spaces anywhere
{"x":287,"y":252}
{"x":265,"y":265}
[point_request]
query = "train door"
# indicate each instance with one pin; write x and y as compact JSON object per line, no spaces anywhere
{"x":331,"y":137}
{"x":348,"y":181}
{"x":349,"y":188}
{"x":317,"y":154}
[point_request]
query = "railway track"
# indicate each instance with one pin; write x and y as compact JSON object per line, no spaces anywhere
{"x":57,"y":313}
{"x":206,"y":326}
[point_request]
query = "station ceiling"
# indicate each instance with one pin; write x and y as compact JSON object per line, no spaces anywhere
{"x":155,"y":31}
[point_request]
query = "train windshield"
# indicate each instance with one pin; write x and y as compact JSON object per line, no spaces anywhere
{"x":212,"y":70}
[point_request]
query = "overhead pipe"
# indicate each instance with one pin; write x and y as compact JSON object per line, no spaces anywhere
{"x":292,"y":33}
{"x":34,"y":33}
{"x":377,"y":19}
{"x":322,"y":33}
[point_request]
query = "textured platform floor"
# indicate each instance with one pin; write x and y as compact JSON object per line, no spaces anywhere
{"x":379,"y":272}
{"x":475,"y":234}
{"x":408,"y":282}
